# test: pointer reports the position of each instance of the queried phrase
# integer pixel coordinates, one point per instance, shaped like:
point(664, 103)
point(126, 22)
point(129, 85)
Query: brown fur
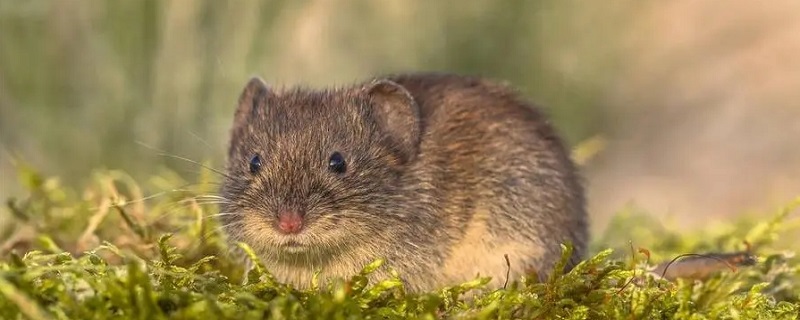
point(445, 175)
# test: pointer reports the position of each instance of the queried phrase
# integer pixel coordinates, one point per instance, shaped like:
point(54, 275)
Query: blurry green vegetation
point(108, 251)
point(81, 82)
point(125, 233)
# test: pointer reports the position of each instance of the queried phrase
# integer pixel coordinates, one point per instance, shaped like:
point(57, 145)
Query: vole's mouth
point(293, 246)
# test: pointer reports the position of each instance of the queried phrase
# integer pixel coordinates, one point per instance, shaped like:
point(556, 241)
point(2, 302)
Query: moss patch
point(111, 252)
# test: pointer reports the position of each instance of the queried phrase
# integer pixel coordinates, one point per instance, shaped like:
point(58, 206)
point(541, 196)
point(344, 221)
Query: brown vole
point(439, 174)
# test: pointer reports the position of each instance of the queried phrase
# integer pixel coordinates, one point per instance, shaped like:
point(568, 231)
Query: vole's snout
point(290, 220)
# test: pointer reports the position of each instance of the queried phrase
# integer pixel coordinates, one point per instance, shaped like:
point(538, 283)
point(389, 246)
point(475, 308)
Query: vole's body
point(445, 174)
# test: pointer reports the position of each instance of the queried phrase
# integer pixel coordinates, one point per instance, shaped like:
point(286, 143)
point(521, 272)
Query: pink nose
point(290, 221)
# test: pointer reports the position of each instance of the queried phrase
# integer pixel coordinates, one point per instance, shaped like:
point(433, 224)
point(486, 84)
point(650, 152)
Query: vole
point(439, 174)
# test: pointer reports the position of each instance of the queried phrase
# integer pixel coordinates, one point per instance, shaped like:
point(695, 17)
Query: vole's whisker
point(200, 200)
point(184, 204)
point(221, 229)
point(211, 196)
point(165, 154)
point(180, 189)
point(232, 224)
point(223, 214)
point(199, 164)
point(200, 139)
point(205, 202)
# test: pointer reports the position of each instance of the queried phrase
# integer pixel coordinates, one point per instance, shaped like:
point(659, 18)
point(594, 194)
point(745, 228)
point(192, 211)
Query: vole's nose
point(290, 221)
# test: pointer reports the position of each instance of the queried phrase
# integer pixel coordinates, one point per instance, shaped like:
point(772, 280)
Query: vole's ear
point(253, 98)
point(397, 113)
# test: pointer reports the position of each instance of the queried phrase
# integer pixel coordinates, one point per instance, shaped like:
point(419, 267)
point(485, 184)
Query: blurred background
point(698, 104)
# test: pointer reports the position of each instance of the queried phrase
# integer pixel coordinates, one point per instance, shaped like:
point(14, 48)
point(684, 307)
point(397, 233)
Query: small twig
point(730, 266)
point(94, 222)
point(137, 229)
point(508, 270)
point(25, 233)
point(16, 211)
point(633, 264)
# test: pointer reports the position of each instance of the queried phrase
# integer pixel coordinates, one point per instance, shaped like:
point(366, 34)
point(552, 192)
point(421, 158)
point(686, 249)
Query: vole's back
point(501, 175)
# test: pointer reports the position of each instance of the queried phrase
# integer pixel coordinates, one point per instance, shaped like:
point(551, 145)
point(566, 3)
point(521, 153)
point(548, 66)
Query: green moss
point(109, 251)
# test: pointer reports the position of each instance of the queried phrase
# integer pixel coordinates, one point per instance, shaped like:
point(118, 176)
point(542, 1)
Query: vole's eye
point(337, 164)
point(255, 164)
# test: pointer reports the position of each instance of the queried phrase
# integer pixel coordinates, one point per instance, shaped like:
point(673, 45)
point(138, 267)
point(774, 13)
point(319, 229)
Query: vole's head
point(312, 172)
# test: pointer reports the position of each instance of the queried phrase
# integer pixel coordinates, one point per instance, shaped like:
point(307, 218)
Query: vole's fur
point(445, 174)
